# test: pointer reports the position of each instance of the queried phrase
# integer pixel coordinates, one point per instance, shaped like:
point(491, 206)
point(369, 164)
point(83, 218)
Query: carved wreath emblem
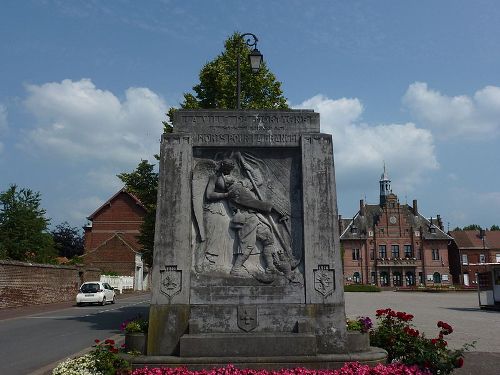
point(324, 280)
point(171, 281)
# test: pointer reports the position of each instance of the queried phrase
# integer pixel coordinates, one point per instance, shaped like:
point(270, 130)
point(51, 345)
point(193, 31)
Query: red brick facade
point(111, 240)
point(23, 284)
point(392, 245)
point(471, 252)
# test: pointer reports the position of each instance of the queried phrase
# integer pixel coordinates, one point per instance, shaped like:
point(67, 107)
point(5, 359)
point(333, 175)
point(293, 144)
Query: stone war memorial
point(247, 265)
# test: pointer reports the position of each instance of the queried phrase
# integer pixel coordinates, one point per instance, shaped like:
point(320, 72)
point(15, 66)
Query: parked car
point(95, 292)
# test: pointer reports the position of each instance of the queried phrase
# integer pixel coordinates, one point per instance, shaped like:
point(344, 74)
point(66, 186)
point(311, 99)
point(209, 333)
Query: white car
point(95, 292)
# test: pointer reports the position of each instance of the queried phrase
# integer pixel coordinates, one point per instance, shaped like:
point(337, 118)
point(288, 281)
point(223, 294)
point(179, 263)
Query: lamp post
point(255, 58)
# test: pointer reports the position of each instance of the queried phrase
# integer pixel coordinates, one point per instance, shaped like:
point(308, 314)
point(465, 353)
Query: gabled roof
point(108, 202)
point(372, 215)
point(470, 239)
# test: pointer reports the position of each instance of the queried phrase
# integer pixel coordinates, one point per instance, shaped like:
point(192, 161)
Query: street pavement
point(459, 309)
point(34, 339)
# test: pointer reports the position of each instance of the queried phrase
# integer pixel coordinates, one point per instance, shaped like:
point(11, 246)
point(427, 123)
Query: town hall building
point(390, 244)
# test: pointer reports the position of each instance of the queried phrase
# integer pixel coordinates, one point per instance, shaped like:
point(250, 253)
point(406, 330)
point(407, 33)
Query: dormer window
point(432, 229)
point(354, 229)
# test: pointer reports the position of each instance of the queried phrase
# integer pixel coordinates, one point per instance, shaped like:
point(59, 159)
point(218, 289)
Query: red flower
point(460, 362)
point(434, 341)
point(109, 342)
point(97, 341)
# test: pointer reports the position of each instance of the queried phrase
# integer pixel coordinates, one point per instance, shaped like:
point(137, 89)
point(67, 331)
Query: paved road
point(460, 309)
point(28, 343)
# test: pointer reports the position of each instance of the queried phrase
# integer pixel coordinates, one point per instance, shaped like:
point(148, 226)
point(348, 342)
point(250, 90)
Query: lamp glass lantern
point(255, 58)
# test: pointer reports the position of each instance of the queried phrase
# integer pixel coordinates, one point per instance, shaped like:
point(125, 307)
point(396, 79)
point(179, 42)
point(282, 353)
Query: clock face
point(392, 219)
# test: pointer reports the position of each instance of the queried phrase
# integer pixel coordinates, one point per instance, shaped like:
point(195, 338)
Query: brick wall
point(23, 284)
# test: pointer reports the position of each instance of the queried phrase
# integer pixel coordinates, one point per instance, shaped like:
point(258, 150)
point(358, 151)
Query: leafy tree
point(217, 86)
point(68, 240)
point(143, 183)
point(494, 227)
point(23, 227)
point(457, 229)
point(472, 227)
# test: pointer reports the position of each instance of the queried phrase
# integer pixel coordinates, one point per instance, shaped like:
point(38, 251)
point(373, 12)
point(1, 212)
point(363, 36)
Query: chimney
point(361, 207)
point(415, 207)
point(440, 222)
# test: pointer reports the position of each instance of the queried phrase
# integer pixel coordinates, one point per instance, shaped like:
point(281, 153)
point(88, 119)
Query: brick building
point(473, 251)
point(392, 245)
point(111, 238)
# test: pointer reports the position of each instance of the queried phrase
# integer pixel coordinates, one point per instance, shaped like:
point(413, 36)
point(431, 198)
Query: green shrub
point(405, 344)
point(361, 288)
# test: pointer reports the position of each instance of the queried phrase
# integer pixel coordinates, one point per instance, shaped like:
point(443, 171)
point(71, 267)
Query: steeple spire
point(385, 187)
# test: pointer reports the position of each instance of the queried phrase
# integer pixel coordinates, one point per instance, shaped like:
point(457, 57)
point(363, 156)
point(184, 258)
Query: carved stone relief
point(244, 215)
point(170, 281)
point(324, 280)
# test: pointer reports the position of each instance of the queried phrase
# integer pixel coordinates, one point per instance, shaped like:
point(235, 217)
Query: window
point(397, 279)
point(381, 230)
point(355, 254)
point(374, 278)
point(370, 233)
point(382, 251)
point(410, 278)
point(372, 254)
point(464, 259)
point(435, 254)
point(417, 233)
point(395, 251)
point(498, 258)
point(408, 251)
point(482, 258)
point(384, 279)
point(421, 277)
point(356, 277)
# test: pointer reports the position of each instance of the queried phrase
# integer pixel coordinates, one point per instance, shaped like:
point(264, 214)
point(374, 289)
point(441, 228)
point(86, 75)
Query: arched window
point(410, 278)
point(356, 278)
point(397, 279)
point(384, 278)
point(437, 278)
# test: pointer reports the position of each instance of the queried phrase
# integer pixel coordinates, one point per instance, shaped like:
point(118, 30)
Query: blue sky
point(84, 86)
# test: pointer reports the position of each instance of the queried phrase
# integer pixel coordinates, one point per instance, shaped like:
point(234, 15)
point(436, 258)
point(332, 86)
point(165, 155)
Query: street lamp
point(255, 58)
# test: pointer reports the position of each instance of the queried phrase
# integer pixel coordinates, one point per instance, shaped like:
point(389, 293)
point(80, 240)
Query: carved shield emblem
point(324, 280)
point(247, 318)
point(171, 281)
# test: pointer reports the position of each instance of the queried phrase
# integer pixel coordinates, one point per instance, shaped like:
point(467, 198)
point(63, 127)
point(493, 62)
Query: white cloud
point(3, 124)
point(456, 116)
point(76, 120)
point(360, 148)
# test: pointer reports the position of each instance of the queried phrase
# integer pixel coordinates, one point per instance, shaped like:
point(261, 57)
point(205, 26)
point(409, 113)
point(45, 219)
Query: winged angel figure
point(236, 215)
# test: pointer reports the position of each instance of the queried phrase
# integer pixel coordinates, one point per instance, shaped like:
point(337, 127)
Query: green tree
point(143, 183)
point(217, 86)
point(68, 240)
point(494, 227)
point(472, 227)
point(456, 229)
point(23, 227)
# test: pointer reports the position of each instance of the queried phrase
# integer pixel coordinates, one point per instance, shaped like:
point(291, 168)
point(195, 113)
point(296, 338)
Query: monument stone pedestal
point(247, 266)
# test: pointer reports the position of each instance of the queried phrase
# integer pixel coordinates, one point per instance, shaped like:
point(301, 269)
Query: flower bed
point(351, 368)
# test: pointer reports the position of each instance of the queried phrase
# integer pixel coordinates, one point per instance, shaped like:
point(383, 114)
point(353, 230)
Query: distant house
point(392, 245)
point(471, 252)
point(111, 238)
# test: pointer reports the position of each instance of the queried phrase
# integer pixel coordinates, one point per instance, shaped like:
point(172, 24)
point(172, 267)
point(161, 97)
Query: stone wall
point(23, 284)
